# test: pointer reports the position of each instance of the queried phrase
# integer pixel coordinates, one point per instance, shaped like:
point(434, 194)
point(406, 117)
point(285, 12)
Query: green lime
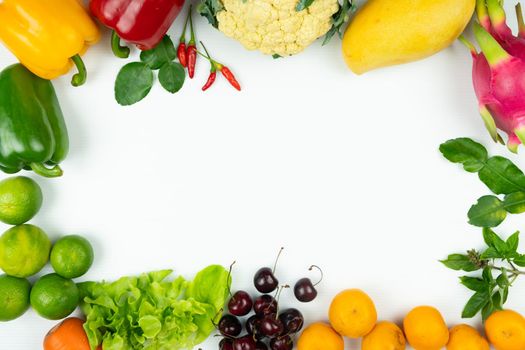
point(54, 297)
point(14, 297)
point(71, 256)
point(20, 200)
point(24, 250)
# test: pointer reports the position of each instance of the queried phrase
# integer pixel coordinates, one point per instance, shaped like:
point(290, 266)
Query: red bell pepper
point(140, 22)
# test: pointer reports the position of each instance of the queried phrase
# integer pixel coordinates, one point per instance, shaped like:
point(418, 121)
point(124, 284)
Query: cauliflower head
point(275, 27)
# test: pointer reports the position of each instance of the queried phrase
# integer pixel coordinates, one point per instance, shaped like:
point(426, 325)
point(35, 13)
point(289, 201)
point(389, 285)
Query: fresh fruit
point(226, 344)
point(320, 336)
point(352, 313)
point(240, 303)
point(284, 342)
point(230, 326)
point(425, 328)
point(54, 297)
point(24, 250)
point(465, 337)
point(265, 304)
point(304, 290)
point(244, 343)
point(506, 330)
point(252, 326)
point(265, 280)
point(271, 326)
point(67, 335)
point(14, 297)
point(20, 200)
point(385, 33)
point(71, 256)
point(292, 320)
point(259, 345)
point(384, 336)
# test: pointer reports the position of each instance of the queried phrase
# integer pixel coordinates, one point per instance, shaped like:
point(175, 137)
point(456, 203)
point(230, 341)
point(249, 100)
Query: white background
point(342, 170)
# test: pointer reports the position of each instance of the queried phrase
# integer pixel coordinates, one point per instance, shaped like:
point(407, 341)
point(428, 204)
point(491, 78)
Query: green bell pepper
point(33, 134)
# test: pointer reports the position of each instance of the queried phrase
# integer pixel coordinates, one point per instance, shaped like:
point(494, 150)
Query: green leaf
point(303, 4)
point(515, 202)
point(496, 301)
point(475, 304)
point(493, 240)
point(209, 9)
point(501, 176)
point(465, 151)
point(488, 309)
point(504, 295)
point(513, 242)
point(491, 253)
point(171, 76)
point(487, 276)
point(473, 283)
point(134, 82)
point(164, 52)
point(459, 262)
point(503, 280)
point(489, 211)
point(339, 20)
point(520, 260)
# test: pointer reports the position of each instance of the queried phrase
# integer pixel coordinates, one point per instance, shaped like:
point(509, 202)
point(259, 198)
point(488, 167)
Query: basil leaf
point(164, 52)
point(488, 309)
point(515, 202)
point(459, 262)
point(501, 176)
point(493, 240)
point(489, 211)
point(465, 151)
point(171, 76)
point(303, 4)
point(496, 301)
point(134, 82)
point(513, 242)
point(475, 284)
point(503, 279)
point(490, 253)
point(475, 304)
point(520, 260)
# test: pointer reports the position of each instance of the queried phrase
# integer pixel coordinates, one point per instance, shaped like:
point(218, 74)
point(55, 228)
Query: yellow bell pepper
point(48, 36)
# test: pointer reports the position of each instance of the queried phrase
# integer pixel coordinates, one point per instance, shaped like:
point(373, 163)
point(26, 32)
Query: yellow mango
point(389, 32)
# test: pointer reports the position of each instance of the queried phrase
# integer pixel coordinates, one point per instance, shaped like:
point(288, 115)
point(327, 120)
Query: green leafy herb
point(151, 312)
point(134, 82)
point(499, 174)
point(500, 257)
point(339, 20)
point(209, 9)
point(303, 4)
point(164, 52)
point(171, 76)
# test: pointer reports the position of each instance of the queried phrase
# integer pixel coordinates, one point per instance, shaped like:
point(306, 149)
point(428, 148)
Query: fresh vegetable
point(425, 328)
point(320, 336)
point(506, 330)
point(464, 337)
point(352, 313)
point(34, 135)
point(498, 72)
point(499, 256)
point(382, 34)
point(191, 51)
point(24, 250)
point(54, 297)
point(181, 49)
point(278, 28)
point(14, 297)
point(49, 37)
point(71, 256)
point(151, 312)
point(67, 335)
point(20, 200)
point(140, 22)
point(499, 174)
point(385, 335)
point(216, 66)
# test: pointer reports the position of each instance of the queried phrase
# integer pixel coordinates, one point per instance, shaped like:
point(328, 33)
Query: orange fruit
point(352, 313)
point(384, 336)
point(506, 330)
point(465, 337)
point(425, 328)
point(320, 336)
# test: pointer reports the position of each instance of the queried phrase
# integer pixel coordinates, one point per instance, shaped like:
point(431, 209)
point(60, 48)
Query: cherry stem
point(228, 279)
point(278, 296)
point(320, 270)
point(219, 312)
point(277, 259)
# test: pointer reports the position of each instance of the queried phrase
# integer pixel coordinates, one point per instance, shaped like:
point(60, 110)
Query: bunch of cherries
point(267, 326)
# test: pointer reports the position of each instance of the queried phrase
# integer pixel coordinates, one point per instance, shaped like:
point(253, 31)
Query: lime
point(24, 250)
point(71, 256)
point(14, 297)
point(20, 200)
point(54, 297)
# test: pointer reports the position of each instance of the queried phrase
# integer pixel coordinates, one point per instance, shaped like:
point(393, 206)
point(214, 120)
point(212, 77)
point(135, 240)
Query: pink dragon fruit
point(499, 72)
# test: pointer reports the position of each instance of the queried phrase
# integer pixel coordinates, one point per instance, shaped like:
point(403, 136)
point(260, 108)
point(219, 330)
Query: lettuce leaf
point(151, 312)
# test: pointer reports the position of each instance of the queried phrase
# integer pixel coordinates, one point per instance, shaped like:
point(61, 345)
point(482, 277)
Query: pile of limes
point(25, 249)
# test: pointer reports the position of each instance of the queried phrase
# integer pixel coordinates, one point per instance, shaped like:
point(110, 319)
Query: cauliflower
point(276, 27)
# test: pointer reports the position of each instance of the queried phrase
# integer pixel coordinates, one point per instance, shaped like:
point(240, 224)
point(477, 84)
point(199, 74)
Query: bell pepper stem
point(80, 77)
point(118, 50)
point(42, 170)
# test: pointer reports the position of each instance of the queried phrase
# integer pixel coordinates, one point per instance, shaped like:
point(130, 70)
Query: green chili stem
point(183, 35)
point(192, 39)
point(118, 50)
point(42, 170)
point(80, 77)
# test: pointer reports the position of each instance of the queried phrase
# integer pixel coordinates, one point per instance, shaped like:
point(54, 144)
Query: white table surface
point(342, 170)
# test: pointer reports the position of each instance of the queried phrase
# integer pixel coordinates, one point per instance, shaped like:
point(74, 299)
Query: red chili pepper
point(227, 73)
point(181, 50)
point(191, 52)
point(210, 81)
point(216, 66)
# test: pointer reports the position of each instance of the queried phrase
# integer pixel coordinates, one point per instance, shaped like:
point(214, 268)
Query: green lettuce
point(152, 312)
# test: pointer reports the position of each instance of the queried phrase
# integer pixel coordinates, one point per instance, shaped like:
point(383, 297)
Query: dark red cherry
point(284, 342)
point(292, 320)
point(226, 344)
point(244, 343)
point(252, 326)
point(259, 345)
point(230, 326)
point(265, 304)
point(240, 303)
point(265, 281)
point(271, 326)
point(304, 289)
